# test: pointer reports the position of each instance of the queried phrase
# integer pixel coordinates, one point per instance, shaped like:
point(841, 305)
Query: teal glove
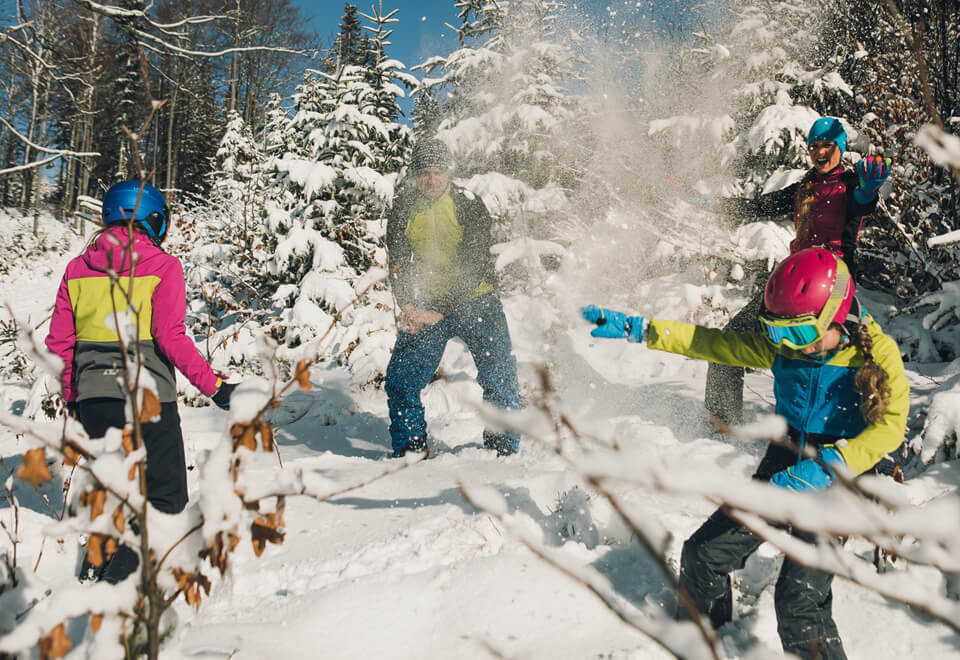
point(612, 324)
point(873, 171)
point(808, 475)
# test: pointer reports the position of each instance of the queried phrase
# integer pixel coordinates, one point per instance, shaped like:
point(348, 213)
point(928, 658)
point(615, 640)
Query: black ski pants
point(802, 596)
point(166, 469)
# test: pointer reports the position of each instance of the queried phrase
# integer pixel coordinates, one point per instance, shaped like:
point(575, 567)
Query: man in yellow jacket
point(438, 241)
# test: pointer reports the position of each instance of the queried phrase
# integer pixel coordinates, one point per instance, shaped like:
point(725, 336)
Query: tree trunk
point(170, 169)
point(43, 127)
point(70, 171)
point(31, 130)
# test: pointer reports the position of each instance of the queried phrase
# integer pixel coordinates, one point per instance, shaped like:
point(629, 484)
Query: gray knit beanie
point(430, 154)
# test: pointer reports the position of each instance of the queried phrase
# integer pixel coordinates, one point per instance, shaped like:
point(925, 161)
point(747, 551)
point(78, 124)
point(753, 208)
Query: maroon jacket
point(825, 211)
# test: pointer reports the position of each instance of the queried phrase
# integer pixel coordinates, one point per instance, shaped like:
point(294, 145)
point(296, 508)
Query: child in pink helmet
point(840, 385)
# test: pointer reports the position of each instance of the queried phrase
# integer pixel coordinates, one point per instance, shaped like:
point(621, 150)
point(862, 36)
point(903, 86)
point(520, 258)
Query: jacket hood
point(111, 250)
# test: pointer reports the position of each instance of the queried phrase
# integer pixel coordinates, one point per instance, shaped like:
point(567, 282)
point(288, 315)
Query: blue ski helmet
point(829, 129)
point(151, 212)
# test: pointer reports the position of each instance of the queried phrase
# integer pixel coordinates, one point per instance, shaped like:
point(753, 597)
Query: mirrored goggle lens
point(796, 336)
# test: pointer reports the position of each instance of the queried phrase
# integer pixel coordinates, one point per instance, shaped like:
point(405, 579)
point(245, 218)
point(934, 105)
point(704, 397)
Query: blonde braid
point(871, 382)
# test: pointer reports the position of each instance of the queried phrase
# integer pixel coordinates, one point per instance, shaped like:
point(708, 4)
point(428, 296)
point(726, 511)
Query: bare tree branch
point(57, 152)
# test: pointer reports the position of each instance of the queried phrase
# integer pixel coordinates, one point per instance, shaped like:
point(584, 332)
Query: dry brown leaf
point(118, 520)
point(244, 435)
point(95, 550)
point(97, 499)
point(72, 453)
point(191, 584)
point(150, 407)
point(127, 441)
point(110, 547)
point(218, 551)
point(34, 468)
point(263, 530)
point(302, 374)
point(95, 622)
point(56, 644)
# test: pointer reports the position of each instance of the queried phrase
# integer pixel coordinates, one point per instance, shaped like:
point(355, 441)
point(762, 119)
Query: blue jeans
point(481, 325)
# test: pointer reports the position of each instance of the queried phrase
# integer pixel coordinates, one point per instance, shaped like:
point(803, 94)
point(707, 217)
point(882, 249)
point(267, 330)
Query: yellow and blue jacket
point(817, 399)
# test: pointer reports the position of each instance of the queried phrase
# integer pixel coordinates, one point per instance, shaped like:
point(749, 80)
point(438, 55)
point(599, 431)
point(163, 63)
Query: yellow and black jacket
point(439, 248)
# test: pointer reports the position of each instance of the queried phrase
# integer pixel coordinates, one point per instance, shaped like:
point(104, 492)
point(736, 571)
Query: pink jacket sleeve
point(62, 338)
point(170, 333)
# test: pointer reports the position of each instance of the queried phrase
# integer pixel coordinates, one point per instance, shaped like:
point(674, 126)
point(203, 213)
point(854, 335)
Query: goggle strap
point(837, 294)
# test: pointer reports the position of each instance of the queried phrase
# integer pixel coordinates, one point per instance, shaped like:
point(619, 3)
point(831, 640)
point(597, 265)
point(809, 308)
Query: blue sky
point(419, 34)
point(422, 31)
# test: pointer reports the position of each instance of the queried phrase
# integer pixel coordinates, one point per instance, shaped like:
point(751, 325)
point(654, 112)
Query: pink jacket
point(83, 326)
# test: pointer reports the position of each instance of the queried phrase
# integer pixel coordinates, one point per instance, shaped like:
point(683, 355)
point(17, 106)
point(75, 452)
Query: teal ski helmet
point(829, 129)
point(152, 213)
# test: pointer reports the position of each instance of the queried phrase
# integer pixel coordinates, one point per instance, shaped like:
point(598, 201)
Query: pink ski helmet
point(811, 282)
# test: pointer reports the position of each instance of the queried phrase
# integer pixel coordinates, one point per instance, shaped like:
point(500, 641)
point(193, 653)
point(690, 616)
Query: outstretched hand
point(612, 324)
point(873, 172)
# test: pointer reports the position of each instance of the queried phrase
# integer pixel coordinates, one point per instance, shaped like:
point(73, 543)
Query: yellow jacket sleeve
point(737, 349)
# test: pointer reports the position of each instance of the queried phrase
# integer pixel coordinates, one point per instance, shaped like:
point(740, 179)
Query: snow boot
point(416, 444)
point(500, 443)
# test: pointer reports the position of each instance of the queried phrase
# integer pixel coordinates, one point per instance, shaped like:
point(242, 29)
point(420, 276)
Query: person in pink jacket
point(91, 302)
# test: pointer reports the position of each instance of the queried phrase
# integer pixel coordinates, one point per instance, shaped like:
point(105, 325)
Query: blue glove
point(708, 203)
point(873, 171)
point(807, 474)
point(612, 324)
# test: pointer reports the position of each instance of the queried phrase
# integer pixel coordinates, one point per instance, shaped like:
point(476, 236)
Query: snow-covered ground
point(405, 568)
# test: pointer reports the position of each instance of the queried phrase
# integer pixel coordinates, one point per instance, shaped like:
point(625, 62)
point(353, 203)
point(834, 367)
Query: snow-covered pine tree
point(426, 113)
point(222, 237)
point(389, 83)
point(331, 182)
point(764, 78)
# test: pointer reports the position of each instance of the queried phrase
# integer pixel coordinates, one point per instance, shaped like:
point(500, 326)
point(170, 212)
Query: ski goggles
point(798, 332)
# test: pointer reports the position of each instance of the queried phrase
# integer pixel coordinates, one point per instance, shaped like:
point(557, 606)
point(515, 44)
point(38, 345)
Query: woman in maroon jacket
point(828, 205)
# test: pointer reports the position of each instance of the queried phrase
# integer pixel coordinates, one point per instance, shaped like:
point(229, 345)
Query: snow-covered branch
point(163, 45)
point(34, 145)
